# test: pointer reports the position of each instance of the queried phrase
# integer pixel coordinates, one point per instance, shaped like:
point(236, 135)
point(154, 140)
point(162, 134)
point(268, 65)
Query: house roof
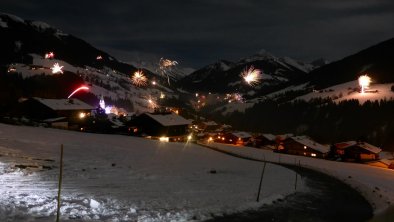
point(311, 144)
point(210, 123)
point(168, 119)
point(64, 104)
point(363, 145)
point(268, 136)
point(369, 147)
point(241, 134)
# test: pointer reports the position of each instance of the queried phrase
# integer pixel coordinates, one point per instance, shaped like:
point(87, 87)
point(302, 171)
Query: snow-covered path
point(374, 183)
point(120, 178)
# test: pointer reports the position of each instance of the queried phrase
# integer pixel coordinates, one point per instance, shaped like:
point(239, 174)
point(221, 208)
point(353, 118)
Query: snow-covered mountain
point(153, 65)
point(24, 44)
point(225, 76)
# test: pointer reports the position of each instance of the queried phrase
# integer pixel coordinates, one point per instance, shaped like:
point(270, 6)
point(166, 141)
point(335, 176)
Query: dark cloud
point(200, 32)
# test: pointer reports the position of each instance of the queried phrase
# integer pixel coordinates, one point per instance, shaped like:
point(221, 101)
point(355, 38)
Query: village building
point(303, 146)
point(55, 112)
point(208, 126)
point(236, 138)
point(263, 140)
point(356, 151)
point(167, 125)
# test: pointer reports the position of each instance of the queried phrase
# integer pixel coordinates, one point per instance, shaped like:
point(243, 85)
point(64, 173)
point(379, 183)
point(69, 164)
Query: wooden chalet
point(208, 126)
point(263, 140)
point(357, 151)
point(303, 146)
point(163, 124)
point(55, 111)
point(236, 138)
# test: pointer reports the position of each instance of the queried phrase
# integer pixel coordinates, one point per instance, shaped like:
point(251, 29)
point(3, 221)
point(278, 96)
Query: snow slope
point(374, 183)
point(349, 90)
point(121, 178)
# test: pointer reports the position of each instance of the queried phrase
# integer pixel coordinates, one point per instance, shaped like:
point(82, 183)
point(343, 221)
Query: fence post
point(60, 183)
point(261, 180)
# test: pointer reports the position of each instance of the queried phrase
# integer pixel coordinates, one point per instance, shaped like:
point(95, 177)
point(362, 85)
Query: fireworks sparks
point(251, 75)
point(364, 82)
point(165, 66)
point(49, 55)
point(139, 79)
point(75, 91)
point(151, 102)
point(234, 97)
point(56, 68)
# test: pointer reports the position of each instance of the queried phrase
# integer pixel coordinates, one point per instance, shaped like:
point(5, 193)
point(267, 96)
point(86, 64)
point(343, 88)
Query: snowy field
point(120, 178)
point(374, 183)
point(346, 91)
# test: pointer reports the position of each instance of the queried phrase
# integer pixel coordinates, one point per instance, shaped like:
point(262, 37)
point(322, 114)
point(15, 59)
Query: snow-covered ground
point(374, 183)
point(349, 90)
point(121, 178)
point(120, 83)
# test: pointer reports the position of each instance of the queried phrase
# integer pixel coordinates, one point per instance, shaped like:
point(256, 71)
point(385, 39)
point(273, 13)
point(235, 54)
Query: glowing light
point(49, 55)
point(251, 75)
point(364, 82)
point(56, 68)
point(154, 83)
point(234, 97)
point(162, 95)
point(210, 139)
point(99, 57)
point(313, 154)
point(139, 79)
point(164, 139)
point(189, 137)
point(75, 91)
point(165, 66)
point(151, 102)
point(102, 102)
point(82, 115)
point(108, 109)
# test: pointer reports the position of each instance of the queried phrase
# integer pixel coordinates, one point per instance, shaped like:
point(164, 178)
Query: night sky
point(196, 33)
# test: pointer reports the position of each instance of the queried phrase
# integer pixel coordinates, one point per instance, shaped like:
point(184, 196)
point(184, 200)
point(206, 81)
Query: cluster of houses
point(168, 126)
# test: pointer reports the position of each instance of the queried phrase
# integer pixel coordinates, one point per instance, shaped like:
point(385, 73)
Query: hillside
point(25, 71)
point(224, 76)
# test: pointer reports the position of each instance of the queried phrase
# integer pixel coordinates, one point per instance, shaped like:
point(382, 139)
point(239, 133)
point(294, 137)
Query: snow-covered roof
point(241, 134)
point(364, 145)
point(210, 123)
point(51, 120)
point(269, 136)
point(168, 119)
point(369, 147)
point(344, 145)
point(64, 104)
point(311, 144)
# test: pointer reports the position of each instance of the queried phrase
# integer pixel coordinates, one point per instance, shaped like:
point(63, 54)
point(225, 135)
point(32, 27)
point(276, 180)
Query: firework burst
point(251, 75)
point(56, 68)
point(234, 97)
point(166, 66)
point(139, 79)
point(49, 55)
point(152, 103)
point(364, 82)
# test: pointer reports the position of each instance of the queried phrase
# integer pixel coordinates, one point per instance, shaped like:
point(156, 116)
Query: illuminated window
point(164, 139)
